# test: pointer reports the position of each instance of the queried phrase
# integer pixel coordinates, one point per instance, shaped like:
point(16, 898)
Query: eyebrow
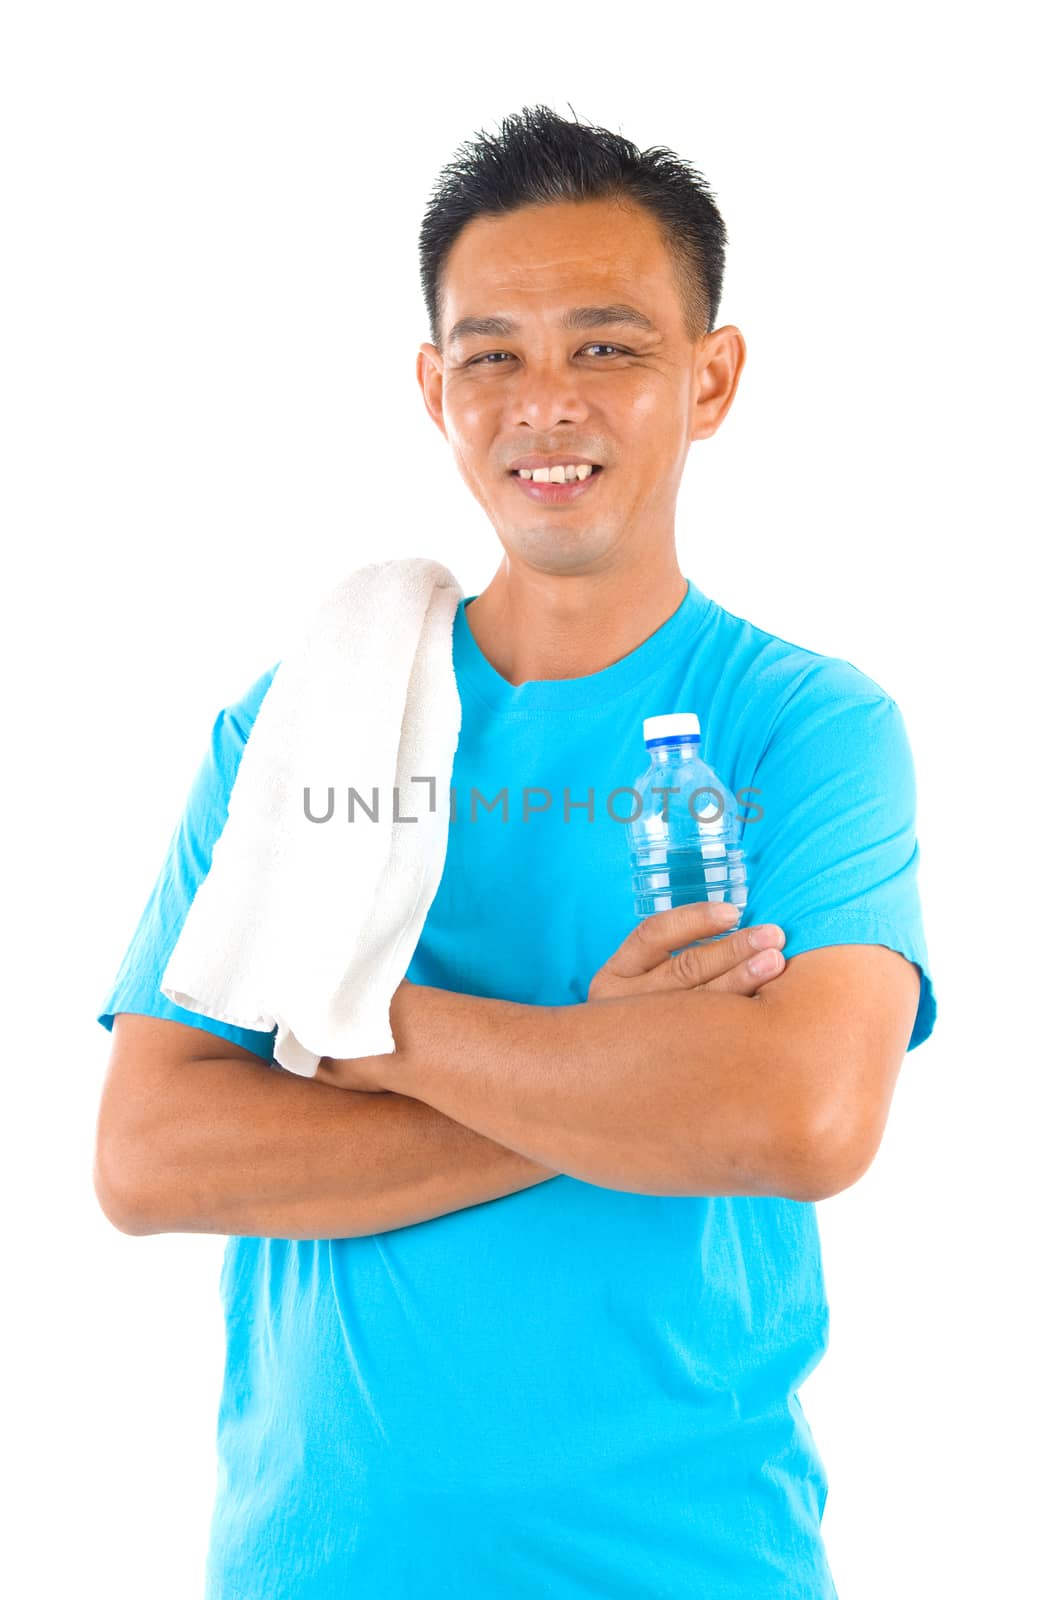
point(579, 317)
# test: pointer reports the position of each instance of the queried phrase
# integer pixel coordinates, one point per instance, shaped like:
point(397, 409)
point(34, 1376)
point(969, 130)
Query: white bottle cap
point(674, 722)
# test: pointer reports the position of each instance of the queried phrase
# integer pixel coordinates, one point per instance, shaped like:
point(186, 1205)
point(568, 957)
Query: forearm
point(249, 1150)
point(684, 1092)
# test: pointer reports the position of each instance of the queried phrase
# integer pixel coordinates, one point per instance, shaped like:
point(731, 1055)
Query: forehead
point(546, 256)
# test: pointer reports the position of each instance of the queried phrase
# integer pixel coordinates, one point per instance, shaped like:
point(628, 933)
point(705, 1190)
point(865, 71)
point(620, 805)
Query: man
point(522, 1309)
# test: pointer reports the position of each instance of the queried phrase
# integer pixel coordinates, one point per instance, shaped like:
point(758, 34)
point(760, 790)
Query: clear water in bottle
point(685, 843)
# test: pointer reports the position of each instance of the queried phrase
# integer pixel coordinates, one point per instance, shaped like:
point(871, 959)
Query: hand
point(643, 964)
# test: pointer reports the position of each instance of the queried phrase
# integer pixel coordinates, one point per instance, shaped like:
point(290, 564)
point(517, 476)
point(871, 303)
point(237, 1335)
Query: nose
point(545, 397)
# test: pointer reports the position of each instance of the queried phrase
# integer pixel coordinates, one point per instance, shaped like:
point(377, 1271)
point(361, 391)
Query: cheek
point(656, 423)
point(654, 402)
point(470, 430)
point(468, 416)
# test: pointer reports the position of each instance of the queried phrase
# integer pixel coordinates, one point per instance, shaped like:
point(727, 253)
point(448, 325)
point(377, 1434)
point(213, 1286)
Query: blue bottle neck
point(673, 751)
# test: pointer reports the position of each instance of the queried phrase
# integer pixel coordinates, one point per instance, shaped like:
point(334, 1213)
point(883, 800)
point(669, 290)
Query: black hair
point(538, 157)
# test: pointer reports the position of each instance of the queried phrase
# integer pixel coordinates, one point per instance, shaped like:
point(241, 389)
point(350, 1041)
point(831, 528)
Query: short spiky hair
point(538, 157)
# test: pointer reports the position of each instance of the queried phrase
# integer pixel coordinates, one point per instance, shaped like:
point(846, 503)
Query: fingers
point(652, 940)
point(740, 964)
point(748, 976)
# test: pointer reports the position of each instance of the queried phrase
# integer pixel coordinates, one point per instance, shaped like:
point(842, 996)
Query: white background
point(209, 330)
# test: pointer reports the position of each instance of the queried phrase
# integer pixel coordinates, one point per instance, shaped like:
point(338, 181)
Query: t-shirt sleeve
point(834, 857)
point(187, 861)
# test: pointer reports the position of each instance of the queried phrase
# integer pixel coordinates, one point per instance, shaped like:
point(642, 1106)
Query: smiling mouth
point(545, 492)
point(526, 476)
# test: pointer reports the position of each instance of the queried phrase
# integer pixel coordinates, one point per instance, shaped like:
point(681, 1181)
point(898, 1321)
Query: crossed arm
point(657, 1084)
point(673, 1092)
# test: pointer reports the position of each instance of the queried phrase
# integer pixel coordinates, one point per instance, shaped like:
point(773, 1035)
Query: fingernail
point(768, 961)
point(728, 913)
point(763, 938)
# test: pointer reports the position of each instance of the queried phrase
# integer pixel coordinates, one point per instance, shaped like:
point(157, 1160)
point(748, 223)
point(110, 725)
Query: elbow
point(826, 1153)
point(122, 1210)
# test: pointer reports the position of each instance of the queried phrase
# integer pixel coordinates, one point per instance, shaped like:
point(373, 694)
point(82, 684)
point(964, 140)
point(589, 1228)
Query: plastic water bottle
point(685, 841)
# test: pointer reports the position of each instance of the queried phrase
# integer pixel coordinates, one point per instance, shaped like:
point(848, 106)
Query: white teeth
point(557, 474)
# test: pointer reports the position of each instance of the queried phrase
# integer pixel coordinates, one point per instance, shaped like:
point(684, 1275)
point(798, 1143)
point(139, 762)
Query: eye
point(491, 357)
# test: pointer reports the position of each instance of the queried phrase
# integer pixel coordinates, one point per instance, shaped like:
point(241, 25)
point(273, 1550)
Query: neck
point(533, 625)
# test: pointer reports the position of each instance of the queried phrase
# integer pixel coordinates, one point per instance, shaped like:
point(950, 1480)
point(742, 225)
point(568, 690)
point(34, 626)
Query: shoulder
point(220, 763)
point(784, 678)
point(241, 715)
point(233, 723)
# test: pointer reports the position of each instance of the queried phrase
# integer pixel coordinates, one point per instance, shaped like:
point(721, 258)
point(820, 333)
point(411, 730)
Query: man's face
point(628, 396)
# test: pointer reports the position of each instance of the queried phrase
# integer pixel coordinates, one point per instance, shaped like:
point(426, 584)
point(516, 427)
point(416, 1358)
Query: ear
point(719, 360)
point(429, 369)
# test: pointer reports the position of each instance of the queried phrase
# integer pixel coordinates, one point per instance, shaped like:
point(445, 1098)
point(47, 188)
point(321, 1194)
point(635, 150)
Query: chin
point(556, 549)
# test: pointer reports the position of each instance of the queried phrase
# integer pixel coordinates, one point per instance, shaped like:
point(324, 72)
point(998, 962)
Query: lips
point(556, 494)
point(594, 470)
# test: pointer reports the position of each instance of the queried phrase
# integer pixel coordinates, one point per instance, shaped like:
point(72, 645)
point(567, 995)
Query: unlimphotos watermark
point(709, 809)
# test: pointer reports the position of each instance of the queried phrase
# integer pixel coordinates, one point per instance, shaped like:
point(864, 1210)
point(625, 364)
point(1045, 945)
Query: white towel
point(308, 927)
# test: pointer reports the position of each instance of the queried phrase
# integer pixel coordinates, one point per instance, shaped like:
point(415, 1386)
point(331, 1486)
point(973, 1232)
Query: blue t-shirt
point(570, 1391)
